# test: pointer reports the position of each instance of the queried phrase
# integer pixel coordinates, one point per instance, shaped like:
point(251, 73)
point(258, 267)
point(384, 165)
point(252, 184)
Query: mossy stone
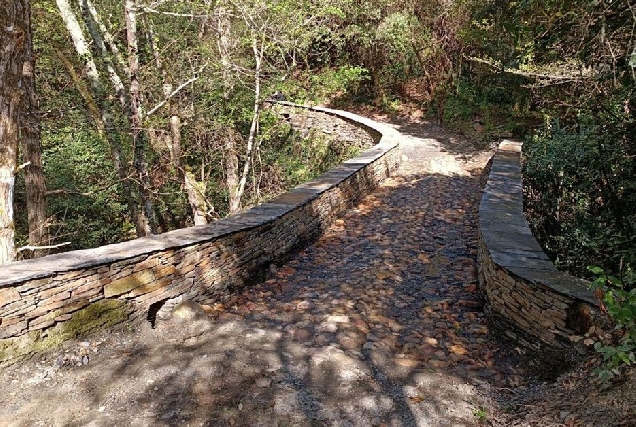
point(128, 283)
point(99, 315)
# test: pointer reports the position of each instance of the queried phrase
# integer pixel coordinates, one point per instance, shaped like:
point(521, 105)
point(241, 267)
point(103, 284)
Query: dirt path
point(377, 324)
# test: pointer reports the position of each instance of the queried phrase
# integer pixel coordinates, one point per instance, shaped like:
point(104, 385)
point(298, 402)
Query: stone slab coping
point(387, 139)
point(506, 232)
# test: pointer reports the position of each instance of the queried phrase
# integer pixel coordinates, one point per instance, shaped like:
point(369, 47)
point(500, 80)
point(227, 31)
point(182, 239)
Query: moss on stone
point(99, 315)
point(128, 283)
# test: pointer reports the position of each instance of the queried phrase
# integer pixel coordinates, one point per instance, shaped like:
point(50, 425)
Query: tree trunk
point(104, 44)
point(102, 116)
point(252, 141)
point(195, 190)
point(226, 45)
point(232, 173)
point(136, 118)
point(32, 155)
point(13, 42)
point(103, 38)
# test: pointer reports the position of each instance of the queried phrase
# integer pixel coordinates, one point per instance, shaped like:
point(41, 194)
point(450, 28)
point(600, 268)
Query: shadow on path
point(378, 323)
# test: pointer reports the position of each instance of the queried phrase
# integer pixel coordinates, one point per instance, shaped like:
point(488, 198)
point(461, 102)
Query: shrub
point(619, 300)
point(579, 195)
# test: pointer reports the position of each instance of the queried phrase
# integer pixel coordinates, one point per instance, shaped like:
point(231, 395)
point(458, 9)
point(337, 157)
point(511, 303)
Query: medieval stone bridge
point(355, 299)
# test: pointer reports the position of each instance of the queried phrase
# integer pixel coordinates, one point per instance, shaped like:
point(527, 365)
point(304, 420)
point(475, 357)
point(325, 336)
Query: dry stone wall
point(527, 299)
point(337, 131)
point(46, 301)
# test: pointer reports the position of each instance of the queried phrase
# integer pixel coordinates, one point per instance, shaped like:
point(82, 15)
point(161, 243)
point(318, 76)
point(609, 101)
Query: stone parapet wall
point(334, 129)
point(46, 301)
point(527, 299)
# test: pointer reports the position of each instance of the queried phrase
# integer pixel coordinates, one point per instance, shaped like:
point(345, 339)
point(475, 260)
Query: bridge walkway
point(378, 323)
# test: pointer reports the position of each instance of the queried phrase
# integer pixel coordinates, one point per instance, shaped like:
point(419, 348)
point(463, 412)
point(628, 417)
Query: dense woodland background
point(137, 117)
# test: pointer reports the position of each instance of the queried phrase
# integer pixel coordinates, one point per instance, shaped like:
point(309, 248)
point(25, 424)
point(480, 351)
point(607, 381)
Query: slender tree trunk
point(194, 189)
point(101, 114)
point(102, 37)
point(13, 53)
point(136, 116)
point(252, 141)
point(231, 159)
point(31, 145)
point(104, 44)
point(232, 173)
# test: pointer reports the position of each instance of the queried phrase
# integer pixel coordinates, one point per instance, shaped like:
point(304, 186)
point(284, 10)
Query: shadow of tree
point(377, 323)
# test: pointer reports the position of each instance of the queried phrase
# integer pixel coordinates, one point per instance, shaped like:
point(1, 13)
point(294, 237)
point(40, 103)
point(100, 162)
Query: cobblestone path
point(379, 323)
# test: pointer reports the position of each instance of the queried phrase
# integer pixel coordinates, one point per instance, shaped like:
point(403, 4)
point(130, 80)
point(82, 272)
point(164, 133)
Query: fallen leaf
point(383, 274)
point(457, 349)
point(424, 258)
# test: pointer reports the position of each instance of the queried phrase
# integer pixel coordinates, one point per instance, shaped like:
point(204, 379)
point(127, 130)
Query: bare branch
point(41, 248)
point(22, 166)
point(149, 9)
point(498, 67)
point(177, 90)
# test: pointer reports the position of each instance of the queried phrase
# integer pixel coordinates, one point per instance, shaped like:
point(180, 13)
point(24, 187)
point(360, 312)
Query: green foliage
point(619, 298)
point(399, 38)
point(487, 106)
point(579, 194)
point(295, 159)
point(87, 212)
point(481, 414)
point(338, 81)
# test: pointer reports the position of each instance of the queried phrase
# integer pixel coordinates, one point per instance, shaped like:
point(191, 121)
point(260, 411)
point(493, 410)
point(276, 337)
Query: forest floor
point(379, 323)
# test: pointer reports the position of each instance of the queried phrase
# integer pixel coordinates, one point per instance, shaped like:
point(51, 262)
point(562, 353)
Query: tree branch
point(22, 166)
point(149, 9)
point(41, 248)
point(528, 74)
point(177, 90)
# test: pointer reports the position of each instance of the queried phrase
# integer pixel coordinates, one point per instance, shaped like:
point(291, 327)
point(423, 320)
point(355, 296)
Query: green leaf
point(595, 269)
point(623, 356)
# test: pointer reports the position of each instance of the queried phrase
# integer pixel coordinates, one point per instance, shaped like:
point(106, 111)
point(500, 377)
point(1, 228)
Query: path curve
point(378, 323)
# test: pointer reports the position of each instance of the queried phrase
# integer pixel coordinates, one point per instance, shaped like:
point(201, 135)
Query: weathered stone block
point(8, 295)
point(33, 286)
point(87, 293)
point(150, 287)
point(44, 306)
point(127, 284)
point(147, 264)
point(162, 271)
point(12, 329)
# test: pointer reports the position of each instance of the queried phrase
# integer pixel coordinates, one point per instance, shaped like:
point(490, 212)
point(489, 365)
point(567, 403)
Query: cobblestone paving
point(378, 323)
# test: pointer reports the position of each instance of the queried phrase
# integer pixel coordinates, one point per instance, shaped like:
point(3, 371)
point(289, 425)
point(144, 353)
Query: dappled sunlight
point(379, 322)
point(448, 167)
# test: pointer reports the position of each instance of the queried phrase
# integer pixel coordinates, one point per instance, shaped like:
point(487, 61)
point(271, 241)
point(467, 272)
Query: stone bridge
point(47, 301)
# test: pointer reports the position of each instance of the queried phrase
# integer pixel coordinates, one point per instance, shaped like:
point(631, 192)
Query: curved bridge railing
point(527, 299)
point(46, 301)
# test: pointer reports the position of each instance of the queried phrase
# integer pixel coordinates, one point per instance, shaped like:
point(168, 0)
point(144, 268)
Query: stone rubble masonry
point(527, 299)
point(55, 298)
